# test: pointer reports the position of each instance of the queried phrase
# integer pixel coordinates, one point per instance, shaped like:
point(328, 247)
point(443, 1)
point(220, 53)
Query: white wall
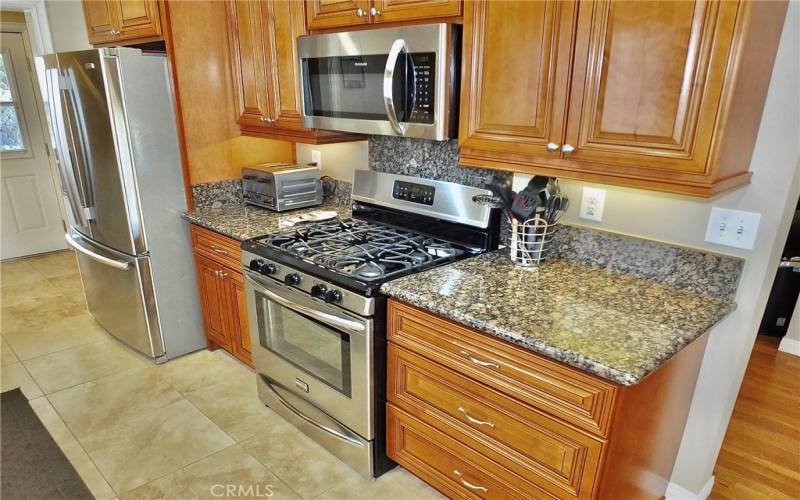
point(791, 341)
point(67, 26)
point(338, 160)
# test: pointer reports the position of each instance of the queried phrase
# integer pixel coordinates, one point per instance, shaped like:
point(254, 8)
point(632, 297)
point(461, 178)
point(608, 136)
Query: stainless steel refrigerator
point(112, 117)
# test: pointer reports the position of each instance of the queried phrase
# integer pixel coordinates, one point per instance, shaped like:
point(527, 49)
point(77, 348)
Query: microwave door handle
point(323, 317)
point(398, 46)
point(64, 157)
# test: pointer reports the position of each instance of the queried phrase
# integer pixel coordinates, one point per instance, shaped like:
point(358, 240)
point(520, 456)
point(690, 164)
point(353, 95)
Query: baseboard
point(675, 492)
point(791, 346)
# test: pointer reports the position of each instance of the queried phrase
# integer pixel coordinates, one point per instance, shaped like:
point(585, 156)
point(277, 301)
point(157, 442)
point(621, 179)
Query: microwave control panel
point(415, 193)
point(424, 64)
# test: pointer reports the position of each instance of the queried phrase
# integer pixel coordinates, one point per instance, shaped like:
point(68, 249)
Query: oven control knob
point(333, 296)
point(292, 279)
point(268, 268)
point(257, 264)
point(318, 290)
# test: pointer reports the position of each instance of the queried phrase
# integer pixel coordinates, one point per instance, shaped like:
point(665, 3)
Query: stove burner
point(362, 250)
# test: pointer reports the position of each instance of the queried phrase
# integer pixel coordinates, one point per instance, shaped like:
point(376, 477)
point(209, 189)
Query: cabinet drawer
point(217, 247)
point(568, 394)
point(452, 468)
point(550, 454)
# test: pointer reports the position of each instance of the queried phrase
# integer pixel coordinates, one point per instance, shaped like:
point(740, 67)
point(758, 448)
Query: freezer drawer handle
point(96, 256)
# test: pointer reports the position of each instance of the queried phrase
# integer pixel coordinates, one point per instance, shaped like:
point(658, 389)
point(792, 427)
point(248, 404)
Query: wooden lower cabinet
point(498, 421)
point(221, 287)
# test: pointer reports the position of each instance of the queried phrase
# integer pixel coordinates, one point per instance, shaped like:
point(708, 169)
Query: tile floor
point(190, 428)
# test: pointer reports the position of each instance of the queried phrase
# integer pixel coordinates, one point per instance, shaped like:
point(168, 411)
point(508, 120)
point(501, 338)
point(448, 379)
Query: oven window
point(352, 87)
point(311, 346)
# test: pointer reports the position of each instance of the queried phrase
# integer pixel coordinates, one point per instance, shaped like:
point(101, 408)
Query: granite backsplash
point(229, 192)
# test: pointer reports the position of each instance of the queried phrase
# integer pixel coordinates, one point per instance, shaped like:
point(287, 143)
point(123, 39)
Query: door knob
point(265, 119)
point(552, 147)
point(567, 149)
point(374, 12)
point(360, 12)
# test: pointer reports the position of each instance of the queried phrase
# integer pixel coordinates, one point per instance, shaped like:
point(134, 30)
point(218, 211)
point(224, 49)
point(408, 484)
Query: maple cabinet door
point(336, 13)
point(100, 21)
point(236, 310)
point(212, 300)
point(283, 25)
point(516, 60)
point(138, 18)
point(249, 57)
point(410, 10)
point(647, 83)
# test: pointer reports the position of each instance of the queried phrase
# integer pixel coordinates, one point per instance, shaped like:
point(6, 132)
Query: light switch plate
point(733, 228)
point(316, 157)
point(592, 203)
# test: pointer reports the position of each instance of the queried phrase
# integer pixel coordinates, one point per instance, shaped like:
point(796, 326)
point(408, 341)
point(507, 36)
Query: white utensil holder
point(530, 241)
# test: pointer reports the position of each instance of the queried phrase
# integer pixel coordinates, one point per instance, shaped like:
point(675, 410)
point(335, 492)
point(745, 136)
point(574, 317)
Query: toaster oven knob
point(267, 268)
point(257, 264)
point(318, 290)
point(333, 296)
point(292, 279)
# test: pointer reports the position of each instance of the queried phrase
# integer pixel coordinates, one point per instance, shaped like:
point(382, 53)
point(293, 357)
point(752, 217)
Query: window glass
point(10, 128)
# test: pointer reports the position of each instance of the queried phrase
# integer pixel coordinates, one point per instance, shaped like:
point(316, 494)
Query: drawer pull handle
point(475, 420)
point(478, 362)
point(216, 249)
point(469, 485)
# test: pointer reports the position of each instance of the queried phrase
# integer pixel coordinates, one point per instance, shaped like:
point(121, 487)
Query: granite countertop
point(241, 222)
point(615, 325)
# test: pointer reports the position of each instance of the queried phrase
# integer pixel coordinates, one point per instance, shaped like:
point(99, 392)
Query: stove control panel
point(413, 192)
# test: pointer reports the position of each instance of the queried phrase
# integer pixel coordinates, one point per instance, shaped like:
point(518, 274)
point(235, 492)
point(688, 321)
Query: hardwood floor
point(760, 457)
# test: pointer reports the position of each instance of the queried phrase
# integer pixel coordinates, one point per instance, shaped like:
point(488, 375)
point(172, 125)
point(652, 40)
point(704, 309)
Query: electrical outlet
point(592, 203)
point(733, 228)
point(316, 157)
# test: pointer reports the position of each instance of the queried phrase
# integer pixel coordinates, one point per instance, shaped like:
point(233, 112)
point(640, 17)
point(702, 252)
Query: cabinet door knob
point(567, 149)
point(360, 12)
point(374, 12)
point(222, 273)
point(265, 119)
point(553, 147)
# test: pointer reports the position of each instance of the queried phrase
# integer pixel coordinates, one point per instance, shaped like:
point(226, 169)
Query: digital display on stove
point(416, 193)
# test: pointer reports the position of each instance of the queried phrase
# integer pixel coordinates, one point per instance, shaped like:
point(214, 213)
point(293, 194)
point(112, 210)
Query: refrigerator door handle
point(76, 125)
point(96, 256)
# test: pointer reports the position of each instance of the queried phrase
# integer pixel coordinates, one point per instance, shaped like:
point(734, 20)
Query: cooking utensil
point(528, 200)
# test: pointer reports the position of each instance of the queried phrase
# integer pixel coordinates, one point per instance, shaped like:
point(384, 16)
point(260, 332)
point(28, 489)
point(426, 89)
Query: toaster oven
point(281, 186)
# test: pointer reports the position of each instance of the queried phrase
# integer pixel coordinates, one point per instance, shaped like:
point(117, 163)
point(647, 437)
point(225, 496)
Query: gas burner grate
point(362, 250)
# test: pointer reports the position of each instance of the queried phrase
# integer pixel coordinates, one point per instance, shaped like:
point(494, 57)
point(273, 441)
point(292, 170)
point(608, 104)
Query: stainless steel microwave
point(391, 81)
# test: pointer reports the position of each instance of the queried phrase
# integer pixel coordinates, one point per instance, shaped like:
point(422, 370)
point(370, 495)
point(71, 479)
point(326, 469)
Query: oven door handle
point(306, 418)
point(330, 319)
point(398, 46)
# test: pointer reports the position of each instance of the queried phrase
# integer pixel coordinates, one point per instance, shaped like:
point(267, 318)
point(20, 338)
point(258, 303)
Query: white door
point(29, 213)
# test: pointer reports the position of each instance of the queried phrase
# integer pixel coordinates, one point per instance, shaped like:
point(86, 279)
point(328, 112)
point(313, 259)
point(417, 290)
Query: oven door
point(315, 357)
point(392, 81)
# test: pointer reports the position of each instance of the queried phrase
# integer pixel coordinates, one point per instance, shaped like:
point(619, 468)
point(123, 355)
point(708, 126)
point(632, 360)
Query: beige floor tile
point(32, 315)
point(155, 444)
point(19, 272)
point(231, 472)
point(204, 370)
point(51, 420)
point(298, 461)
point(7, 356)
point(69, 284)
point(235, 408)
point(87, 470)
point(13, 376)
point(111, 401)
point(14, 294)
point(56, 264)
point(71, 331)
point(76, 365)
point(397, 484)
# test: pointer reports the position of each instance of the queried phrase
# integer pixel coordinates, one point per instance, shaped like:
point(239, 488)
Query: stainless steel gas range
point(317, 319)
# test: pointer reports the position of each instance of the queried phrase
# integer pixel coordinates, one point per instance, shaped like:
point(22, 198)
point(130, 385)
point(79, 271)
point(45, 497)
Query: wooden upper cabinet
point(138, 18)
point(516, 66)
point(324, 14)
point(659, 95)
point(101, 21)
point(336, 13)
point(263, 46)
point(117, 22)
